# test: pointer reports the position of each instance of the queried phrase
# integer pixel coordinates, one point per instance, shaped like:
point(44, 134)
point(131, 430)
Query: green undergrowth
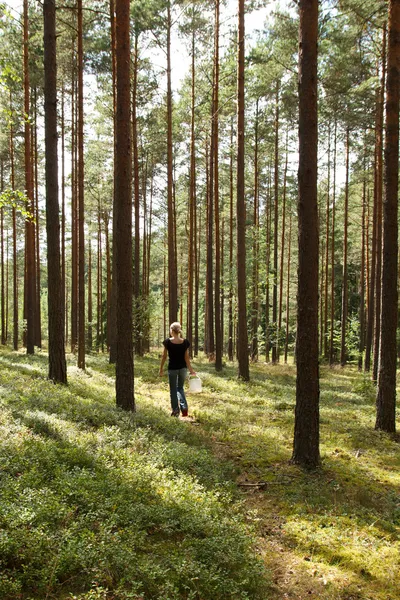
point(97, 503)
point(100, 504)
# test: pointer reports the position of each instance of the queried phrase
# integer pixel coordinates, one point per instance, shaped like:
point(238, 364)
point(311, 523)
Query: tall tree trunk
point(30, 225)
point(362, 276)
point(288, 288)
point(268, 219)
point(138, 327)
point(192, 198)
point(276, 218)
point(254, 302)
point(172, 259)
point(217, 296)
point(81, 207)
point(14, 234)
point(38, 317)
point(331, 341)
point(57, 363)
point(243, 355)
point(283, 235)
point(89, 296)
point(108, 268)
point(123, 243)
point(343, 350)
point(386, 394)
point(379, 184)
point(230, 301)
point(63, 219)
point(326, 270)
point(306, 430)
point(112, 325)
point(74, 212)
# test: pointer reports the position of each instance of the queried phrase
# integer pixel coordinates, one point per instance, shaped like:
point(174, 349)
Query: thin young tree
point(123, 189)
point(242, 350)
point(57, 363)
point(306, 429)
point(172, 258)
point(81, 195)
point(217, 298)
point(386, 395)
point(30, 276)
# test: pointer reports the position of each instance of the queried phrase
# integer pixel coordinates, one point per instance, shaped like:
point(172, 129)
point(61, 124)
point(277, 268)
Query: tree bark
point(57, 363)
point(306, 430)
point(30, 224)
point(123, 243)
point(172, 259)
point(243, 355)
point(81, 207)
point(386, 395)
point(379, 192)
point(343, 349)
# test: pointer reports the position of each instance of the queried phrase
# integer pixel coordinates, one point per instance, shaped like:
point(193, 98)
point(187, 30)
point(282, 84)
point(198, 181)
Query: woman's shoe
point(185, 412)
point(175, 413)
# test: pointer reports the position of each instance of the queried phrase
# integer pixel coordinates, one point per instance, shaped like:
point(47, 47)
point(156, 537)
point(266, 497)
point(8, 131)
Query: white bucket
point(194, 384)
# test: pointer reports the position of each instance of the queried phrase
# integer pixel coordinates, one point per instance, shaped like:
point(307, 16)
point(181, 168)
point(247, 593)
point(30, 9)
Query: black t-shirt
point(176, 354)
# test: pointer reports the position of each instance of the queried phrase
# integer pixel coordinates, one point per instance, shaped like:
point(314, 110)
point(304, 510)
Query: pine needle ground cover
point(99, 504)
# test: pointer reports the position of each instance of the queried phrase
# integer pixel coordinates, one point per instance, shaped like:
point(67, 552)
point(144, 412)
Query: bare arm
point(163, 359)
point(187, 360)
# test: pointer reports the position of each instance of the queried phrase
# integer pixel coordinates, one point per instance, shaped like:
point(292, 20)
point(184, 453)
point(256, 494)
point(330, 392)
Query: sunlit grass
point(146, 483)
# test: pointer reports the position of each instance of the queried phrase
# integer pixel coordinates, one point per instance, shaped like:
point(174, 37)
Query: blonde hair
point(176, 327)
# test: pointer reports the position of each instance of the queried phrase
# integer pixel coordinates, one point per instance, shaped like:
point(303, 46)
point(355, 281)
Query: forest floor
point(98, 504)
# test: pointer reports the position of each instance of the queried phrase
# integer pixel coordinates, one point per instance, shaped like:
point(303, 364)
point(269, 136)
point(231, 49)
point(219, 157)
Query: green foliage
point(101, 504)
point(18, 200)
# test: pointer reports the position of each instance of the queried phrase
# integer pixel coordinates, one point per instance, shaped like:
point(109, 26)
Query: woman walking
point(177, 350)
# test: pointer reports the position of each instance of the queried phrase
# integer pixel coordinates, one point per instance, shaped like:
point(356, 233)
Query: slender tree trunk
point(343, 349)
point(379, 183)
point(276, 224)
point(306, 431)
point(138, 327)
point(283, 235)
point(218, 330)
point(288, 288)
point(327, 219)
point(192, 200)
point(81, 207)
point(243, 355)
point(123, 243)
point(268, 219)
point(386, 394)
point(30, 225)
point(57, 363)
point(230, 301)
point(172, 259)
point(74, 215)
point(14, 235)
point(108, 269)
point(63, 219)
point(362, 275)
point(38, 317)
point(90, 296)
point(331, 341)
point(112, 325)
point(255, 303)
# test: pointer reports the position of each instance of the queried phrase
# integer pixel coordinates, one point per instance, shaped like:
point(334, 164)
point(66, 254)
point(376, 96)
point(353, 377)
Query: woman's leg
point(181, 392)
point(173, 380)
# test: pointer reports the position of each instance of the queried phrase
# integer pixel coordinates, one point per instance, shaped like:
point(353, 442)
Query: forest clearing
point(101, 504)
